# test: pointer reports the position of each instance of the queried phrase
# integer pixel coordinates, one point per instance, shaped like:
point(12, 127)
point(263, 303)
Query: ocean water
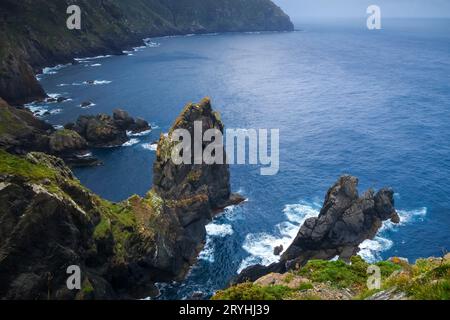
point(374, 104)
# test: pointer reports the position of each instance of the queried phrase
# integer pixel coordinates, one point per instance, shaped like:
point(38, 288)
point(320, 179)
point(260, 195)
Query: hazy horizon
point(298, 9)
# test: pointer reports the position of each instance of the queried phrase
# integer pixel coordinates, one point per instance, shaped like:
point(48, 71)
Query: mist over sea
point(374, 104)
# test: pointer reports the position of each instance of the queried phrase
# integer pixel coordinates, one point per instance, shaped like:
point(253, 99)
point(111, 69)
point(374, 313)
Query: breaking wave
point(260, 246)
point(131, 143)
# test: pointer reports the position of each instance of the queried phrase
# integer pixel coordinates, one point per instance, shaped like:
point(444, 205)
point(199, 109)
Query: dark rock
point(100, 131)
point(66, 141)
point(105, 131)
point(171, 181)
point(123, 119)
point(345, 221)
point(86, 104)
point(140, 125)
point(196, 192)
point(278, 250)
point(21, 131)
point(61, 99)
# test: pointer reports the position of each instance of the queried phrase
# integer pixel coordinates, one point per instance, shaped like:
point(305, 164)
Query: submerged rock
point(345, 221)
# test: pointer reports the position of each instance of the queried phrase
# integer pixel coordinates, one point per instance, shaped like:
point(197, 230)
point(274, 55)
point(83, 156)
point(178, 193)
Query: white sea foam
point(261, 246)
point(85, 155)
point(87, 59)
point(88, 106)
point(219, 230)
point(207, 254)
point(55, 69)
point(97, 82)
point(55, 111)
point(138, 134)
point(371, 249)
point(299, 212)
point(150, 146)
point(131, 142)
point(54, 95)
point(94, 65)
point(37, 110)
point(58, 127)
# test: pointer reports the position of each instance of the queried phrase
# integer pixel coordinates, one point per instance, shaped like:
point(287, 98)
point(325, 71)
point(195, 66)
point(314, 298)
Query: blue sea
point(374, 104)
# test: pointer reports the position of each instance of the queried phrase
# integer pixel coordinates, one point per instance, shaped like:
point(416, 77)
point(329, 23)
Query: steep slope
point(33, 34)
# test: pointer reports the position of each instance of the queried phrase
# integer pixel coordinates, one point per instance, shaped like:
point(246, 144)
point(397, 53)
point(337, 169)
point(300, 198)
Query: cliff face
point(33, 34)
point(49, 221)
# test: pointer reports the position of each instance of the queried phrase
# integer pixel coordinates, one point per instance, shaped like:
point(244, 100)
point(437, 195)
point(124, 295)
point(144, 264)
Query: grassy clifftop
point(427, 279)
point(33, 34)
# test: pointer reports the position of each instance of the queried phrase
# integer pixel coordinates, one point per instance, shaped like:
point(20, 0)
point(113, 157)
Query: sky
point(298, 9)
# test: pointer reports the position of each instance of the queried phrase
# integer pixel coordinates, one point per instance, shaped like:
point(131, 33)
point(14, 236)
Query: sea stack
point(345, 221)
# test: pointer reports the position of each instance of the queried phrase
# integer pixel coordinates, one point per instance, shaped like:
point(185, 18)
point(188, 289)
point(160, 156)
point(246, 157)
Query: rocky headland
point(21, 132)
point(49, 221)
point(344, 222)
point(33, 34)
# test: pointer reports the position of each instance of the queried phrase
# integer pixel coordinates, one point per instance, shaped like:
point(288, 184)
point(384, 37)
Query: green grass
point(250, 291)
point(15, 165)
point(343, 275)
point(8, 123)
point(427, 279)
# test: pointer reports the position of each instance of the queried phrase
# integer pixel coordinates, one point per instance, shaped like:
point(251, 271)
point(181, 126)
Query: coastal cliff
point(33, 34)
point(49, 221)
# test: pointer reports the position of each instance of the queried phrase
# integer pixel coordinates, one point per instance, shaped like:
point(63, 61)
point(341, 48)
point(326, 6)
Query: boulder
point(140, 125)
point(100, 131)
point(105, 131)
point(66, 141)
point(278, 250)
point(86, 104)
point(123, 119)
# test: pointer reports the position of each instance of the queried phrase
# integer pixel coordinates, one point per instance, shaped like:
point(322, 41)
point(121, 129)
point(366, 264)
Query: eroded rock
point(345, 221)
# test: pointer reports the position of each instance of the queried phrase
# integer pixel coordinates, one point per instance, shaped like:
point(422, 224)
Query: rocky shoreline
point(34, 34)
point(22, 132)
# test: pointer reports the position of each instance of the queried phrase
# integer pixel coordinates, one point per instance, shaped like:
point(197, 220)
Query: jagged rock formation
point(195, 192)
point(33, 34)
point(22, 132)
point(105, 131)
point(345, 221)
point(49, 221)
point(211, 182)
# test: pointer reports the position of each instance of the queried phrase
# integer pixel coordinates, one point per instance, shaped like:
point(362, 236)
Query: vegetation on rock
point(427, 279)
